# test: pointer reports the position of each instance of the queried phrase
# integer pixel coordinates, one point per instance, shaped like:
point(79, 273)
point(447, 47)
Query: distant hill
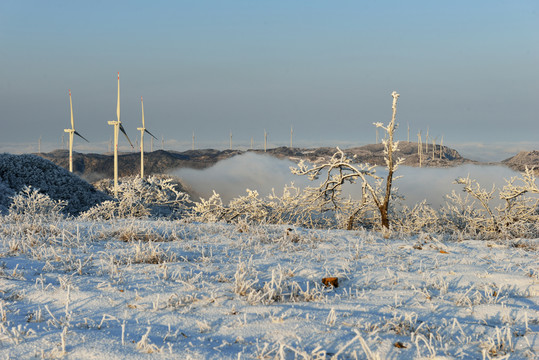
point(374, 154)
point(524, 159)
point(94, 167)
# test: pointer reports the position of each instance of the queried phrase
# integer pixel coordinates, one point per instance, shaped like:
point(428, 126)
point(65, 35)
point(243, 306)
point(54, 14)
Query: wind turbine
point(117, 127)
point(142, 131)
point(71, 132)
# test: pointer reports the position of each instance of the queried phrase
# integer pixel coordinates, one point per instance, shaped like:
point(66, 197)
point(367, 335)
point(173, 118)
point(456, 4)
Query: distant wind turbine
point(71, 132)
point(142, 131)
point(117, 127)
point(265, 140)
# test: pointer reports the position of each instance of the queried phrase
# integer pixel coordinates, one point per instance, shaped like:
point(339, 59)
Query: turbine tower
point(117, 127)
point(142, 131)
point(71, 132)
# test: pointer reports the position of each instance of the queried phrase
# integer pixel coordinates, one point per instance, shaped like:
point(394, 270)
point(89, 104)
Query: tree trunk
point(350, 224)
point(385, 218)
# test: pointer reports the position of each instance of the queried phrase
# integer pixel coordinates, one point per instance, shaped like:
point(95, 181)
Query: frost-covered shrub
point(294, 207)
point(417, 219)
point(18, 171)
point(475, 215)
point(116, 209)
point(249, 208)
point(156, 196)
point(32, 206)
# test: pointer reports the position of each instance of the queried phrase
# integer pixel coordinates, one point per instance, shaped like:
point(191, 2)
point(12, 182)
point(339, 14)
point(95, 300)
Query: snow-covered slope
point(18, 171)
point(141, 289)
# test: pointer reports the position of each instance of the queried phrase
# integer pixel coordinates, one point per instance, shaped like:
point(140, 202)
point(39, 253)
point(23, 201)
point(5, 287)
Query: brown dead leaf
point(330, 281)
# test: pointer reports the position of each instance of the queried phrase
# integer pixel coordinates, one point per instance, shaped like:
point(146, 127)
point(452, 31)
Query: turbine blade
point(150, 134)
point(123, 130)
point(142, 105)
point(79, 135)
point(71, 107)
point(118, 107)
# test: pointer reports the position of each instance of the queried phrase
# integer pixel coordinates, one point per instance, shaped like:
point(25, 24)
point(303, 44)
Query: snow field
point(166, 289)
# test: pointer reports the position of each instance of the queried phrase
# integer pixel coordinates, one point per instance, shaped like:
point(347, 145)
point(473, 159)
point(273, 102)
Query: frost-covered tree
point(20, 171)
point(341, 169)
point(6, 195)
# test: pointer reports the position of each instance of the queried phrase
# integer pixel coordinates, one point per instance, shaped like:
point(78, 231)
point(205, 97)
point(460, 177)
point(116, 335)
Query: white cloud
point(231, 177)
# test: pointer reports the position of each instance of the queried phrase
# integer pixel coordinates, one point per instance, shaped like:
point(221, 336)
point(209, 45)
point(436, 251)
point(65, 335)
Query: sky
point(466, 71)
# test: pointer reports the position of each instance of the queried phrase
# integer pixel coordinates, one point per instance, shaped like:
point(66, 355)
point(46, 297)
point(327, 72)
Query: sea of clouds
point(232, 176)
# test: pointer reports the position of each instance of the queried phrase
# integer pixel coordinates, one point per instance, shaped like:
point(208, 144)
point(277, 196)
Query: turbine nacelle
point(121, 127)
point(146, 131)
point(76, 133)
point(71, 132)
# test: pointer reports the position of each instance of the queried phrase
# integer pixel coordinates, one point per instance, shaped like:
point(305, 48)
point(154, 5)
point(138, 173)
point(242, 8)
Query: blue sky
point(467, 70)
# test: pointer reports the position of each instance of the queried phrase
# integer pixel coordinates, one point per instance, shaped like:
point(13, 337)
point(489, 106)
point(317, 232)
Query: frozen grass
point(147, 288)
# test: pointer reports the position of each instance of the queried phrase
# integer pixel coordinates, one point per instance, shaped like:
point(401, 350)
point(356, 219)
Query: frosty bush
point(156, 196)
point(30, 205)
point(474, 214)
point(295, 206)
point(116, 209)
point(303, 208)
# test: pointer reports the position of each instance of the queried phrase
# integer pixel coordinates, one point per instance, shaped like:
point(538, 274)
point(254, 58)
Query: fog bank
point(231, 177)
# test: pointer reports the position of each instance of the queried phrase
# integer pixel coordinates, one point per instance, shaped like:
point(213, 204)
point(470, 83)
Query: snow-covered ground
point(162, 289)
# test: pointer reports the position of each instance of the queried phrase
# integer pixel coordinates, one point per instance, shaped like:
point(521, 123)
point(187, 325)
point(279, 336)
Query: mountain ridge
point(94, 167)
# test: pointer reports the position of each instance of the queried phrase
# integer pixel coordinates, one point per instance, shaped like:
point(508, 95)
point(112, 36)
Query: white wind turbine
point(117, 127)
point(142, 131)
point(71, 132)
point(291, 134)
